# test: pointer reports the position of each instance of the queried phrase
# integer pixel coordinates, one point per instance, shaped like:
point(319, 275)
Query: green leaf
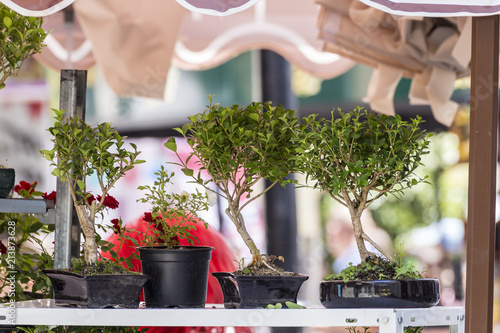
point(188, 172)
point(7, 21)
point(171, 144)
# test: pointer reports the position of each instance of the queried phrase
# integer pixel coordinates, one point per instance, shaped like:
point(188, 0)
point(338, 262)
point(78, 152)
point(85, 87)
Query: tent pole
point(482, 175)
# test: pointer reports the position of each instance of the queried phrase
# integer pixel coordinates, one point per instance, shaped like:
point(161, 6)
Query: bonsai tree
point(173, 215)
point(359, 156)
point(20, 38)
point(81, 151)
point(239, 146)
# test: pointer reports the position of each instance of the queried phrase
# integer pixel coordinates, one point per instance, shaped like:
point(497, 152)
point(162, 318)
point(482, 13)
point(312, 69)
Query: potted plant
point(356, 158)
point(179, 273)
point(81, 151)
point(238, 147)
point(7, 180)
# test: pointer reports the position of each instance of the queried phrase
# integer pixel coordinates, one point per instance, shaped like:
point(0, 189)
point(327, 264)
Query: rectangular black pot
point(258, 291)
point(410, 293)
point(96, 291)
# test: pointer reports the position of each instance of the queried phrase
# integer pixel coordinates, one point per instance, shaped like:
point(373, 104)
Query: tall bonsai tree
point(81, 151)
point(359, 156)
point(238, 147)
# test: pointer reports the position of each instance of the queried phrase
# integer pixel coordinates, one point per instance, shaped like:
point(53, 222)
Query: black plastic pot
point(251, 291)
point(380, 293)
point(179, 276)
point(96, 291)
point(7, 180)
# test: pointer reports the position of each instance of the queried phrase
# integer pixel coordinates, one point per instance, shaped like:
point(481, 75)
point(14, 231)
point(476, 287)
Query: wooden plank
point(482, 175)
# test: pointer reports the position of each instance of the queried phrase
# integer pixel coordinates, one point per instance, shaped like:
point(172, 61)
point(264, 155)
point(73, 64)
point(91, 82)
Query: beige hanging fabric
point(434, 52)
point(133, 45)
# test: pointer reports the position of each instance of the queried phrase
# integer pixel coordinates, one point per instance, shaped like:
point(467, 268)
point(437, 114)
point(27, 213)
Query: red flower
point(3, 248)
point(90, 199)
point(116, 226)
point(25, 189)
point(148, 217)
point(50, 196)
point(109, 201)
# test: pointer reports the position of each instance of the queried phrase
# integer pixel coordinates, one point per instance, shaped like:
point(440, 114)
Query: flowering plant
point(80, 151)
point(24, 252)
point(173, 215)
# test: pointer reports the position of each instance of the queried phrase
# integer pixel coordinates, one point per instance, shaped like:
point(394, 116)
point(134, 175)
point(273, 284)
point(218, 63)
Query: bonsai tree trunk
point(90, 245)
point(238, 221)
point(356, 208)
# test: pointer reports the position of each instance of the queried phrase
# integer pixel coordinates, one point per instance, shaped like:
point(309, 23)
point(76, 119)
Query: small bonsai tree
point(238, 147)
point(81, 151)
point(359, 156)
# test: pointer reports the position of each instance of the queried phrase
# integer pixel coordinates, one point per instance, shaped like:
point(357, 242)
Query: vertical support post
point(281, 212)
point(281, 216)
point(482, 175)
point(72, 98)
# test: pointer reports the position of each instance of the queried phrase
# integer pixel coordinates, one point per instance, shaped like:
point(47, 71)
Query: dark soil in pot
point(404, 293)
point(179, 276)
point(257, 291)
point(7, 181)
point(96, 291)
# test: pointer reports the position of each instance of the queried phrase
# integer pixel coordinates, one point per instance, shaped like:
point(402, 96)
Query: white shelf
point(44, 312)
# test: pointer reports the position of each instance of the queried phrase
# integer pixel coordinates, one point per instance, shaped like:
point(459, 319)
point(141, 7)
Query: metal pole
point(67, 233)
point(281, 213)
point(482, 175)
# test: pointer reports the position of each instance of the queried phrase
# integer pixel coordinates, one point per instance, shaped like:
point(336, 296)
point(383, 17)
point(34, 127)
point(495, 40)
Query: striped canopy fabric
point(444, 8)
point(37, 7)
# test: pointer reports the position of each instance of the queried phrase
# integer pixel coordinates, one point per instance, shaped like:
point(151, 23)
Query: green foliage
point(360, 153)
point(180, 210)
point(360, 156)
point(290, 305)
point(20, 38)
point(105, 266)
point(80, 151)
point(25, 255)
point(376, 268)
point(238, 146)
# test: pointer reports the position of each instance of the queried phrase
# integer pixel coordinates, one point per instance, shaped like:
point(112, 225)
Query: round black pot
point(7, 180)
point(380, 293)
point(251, 291)
point(96, 291)
point(179, 276)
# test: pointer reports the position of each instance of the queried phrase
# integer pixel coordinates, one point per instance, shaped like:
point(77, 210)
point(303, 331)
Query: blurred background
point(428, 223)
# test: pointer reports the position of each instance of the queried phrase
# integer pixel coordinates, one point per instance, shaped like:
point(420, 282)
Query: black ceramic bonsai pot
point(96, 291)
point(179, 276)
point(380, 293)
point(257, 291)
point(7, 181)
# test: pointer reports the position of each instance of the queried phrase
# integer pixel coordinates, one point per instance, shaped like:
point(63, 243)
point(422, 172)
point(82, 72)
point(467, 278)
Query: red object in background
point(222, 261)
